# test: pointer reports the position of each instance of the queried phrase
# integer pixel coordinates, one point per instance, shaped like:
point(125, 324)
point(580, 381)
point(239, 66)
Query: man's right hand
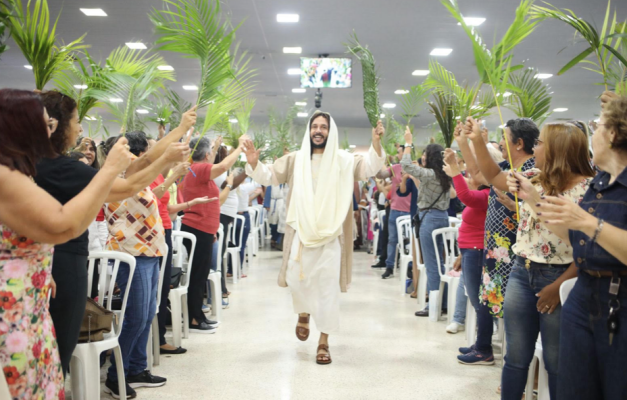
point(189, 119)
point(252, 154)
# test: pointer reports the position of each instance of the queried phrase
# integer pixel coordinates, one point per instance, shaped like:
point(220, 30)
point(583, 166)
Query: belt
point(532, 264)
point(603, 274)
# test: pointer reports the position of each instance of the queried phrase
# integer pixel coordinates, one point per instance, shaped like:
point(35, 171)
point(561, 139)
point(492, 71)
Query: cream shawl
point(318, 215)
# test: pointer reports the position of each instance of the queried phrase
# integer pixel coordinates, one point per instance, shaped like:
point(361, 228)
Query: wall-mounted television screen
point(326, 73)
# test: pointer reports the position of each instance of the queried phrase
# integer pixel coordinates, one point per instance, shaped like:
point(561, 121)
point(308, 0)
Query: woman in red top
point(203, 221)
point(470, 241)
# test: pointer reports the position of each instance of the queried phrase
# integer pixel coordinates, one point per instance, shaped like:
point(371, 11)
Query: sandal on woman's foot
point(302, 333)
point(413, 295)
point(323, 359)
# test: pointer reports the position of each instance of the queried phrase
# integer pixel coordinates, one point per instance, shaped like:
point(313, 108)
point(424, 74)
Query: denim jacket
point(607, 202)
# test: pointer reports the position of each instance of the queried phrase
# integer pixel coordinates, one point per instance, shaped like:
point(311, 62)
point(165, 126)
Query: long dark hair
point(60, 107)
point(23, 134)
point(433, 153)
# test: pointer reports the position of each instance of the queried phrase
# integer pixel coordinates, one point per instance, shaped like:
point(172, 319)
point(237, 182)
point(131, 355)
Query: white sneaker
point(455, 327)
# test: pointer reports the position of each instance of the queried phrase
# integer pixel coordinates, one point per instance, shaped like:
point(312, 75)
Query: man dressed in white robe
point(317, 259)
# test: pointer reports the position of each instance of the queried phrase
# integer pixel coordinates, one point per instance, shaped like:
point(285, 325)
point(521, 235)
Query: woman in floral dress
point(28, 217)
point(543, 260)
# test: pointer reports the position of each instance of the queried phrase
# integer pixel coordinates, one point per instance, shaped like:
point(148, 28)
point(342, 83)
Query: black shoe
point(387, 274)
point(179, 350)
point(203, 327)
point(422, 313)
point(111, 388)
point(378, 265)
point(210, 322)
point(145, 379)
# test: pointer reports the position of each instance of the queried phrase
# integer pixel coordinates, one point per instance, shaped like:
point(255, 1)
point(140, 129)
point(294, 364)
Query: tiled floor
point(382, 352)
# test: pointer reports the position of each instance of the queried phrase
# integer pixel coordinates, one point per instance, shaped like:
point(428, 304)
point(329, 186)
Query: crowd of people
point(538, 208)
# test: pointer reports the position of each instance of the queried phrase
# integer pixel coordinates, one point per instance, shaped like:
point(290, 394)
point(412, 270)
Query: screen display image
point(326, 73)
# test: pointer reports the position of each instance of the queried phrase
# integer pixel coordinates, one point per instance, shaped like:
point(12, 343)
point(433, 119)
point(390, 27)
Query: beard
point(318, 146)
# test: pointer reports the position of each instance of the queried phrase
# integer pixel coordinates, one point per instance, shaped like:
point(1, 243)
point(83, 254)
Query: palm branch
point(443, 109)
point(530, 96)
point(604, 45)
point(616, 71)
point(345, 144)
point(242, 115)
point(94, 125)
point(370, 79)
point(196, 29)
point(178, 106)
point(260, 137)
point(33, 34)
point(162, 112)
point(393, 136)
point(72, 80)
point(281, 133)
point(5, 12)
point(412, 102)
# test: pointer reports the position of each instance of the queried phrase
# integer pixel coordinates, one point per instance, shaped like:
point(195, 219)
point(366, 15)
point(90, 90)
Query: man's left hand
point(378, 132)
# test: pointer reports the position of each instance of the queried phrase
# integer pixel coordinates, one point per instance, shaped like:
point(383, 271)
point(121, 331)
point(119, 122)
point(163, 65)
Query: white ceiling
point(400, 33)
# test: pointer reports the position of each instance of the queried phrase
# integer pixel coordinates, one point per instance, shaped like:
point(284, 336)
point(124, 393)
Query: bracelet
point(188, 207)
point(597, 231)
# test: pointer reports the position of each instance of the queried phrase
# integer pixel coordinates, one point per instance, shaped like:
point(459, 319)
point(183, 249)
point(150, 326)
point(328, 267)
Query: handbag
point(97, 321)
point(417, 221)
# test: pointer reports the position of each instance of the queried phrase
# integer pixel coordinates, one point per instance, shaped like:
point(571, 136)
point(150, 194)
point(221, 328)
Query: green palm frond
point(412, 102)
point(345, 144)
point(260, 137)
point(530, 97)
point(370, 79)
point(178, 106)
point(443, 109)
point(281, 135)
point(242, 114)
point(162, 112)
point(616, 72)
point(94, 126)
point(5, 11)
point(197, 29)
point(393, 136)
point(604, 45)
point(36, 37)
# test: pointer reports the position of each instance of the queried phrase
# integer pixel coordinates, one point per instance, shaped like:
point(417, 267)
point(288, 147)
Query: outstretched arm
point(489, 169)
point(263, 174)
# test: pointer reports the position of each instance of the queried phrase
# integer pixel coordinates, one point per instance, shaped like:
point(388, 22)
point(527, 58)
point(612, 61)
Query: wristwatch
point(410, 145)
point(230, 187)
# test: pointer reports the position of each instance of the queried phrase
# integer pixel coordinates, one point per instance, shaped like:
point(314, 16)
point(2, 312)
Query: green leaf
point(576, 60)
point(370, 78)
point(530, 96)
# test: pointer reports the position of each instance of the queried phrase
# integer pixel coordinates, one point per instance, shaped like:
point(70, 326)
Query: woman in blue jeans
point(433, 203)
point(543, 259)
point(597, 233)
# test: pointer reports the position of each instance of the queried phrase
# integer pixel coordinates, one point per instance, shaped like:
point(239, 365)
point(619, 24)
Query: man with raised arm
point(318, 249)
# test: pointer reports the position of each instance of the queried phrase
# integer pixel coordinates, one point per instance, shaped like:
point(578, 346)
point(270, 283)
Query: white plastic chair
point(404, 232)
point(454, 222)
point(449, 239)
point(215, 280)
point(178, 295)
point(543, 375)
point(399, 244)
point(471, 323)
point(379, 232)
point(85, 363)
point(253, 236)
point(565, 289)
point(153, 348)
point(261, 217)
point(233, 252)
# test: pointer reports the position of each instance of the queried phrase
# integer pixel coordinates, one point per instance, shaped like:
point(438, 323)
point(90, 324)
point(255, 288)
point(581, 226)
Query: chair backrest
point(164, 260)
point(449, 238)
point(108, 277)
point(220, 244)
point(261, 214)
point(253, 214)
point(381, 216)
point(404, 232)
point(236, 240)
point(399, 220)
point(176, 226)
point(454, 222)
point(565, 289)
point(178, 237)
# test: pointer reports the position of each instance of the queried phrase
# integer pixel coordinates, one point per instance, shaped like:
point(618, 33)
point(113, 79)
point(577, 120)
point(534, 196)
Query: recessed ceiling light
point(507, 94)
point(420, 72)
point(301, 103)
point(88, 118)
point(292, 50)
point(233, 120)
point(401, 91)
point(190, 87)
point(502, 126)
point(302, 115)
point(94, 12)
point(441, 52)
point(136, 46)
point(115, 100)
point(299, 90)
point(287, 18)
point(543, 76)
point(28, 66)
point(142, 111)
point(80, 86)
point(560, 109)
point(382, 116)
point(165, 68)
point(352, 146)
point(472, 21)
point(388, 105)
point(294, 71)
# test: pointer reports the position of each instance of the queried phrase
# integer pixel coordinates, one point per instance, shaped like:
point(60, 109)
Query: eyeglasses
point(537, 142)
point(52, 124)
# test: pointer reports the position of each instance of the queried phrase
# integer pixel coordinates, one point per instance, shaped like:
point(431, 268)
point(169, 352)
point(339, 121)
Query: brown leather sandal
point(323, 359)
point(302, 333)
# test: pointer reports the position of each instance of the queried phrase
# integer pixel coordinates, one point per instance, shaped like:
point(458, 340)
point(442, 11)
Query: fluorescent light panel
point(292, 50)
point(233, 120)
point(301, 103)
point(80, 86)
point(136, 46)
point(190, 87)
point(560, 109)
point(352, 146)
point(294, 71)
point(142, 111)
point(543, 76)
point(441, 52)
point(165, 68)
point(298, 90)
point(28, 66)
point(94, 12)
point(287, 18)
point(302, 115)
point(388, 105)
point(115, 100)
point(472, 21)
point(420, 72)
point(401, 91)
point(382, 116)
